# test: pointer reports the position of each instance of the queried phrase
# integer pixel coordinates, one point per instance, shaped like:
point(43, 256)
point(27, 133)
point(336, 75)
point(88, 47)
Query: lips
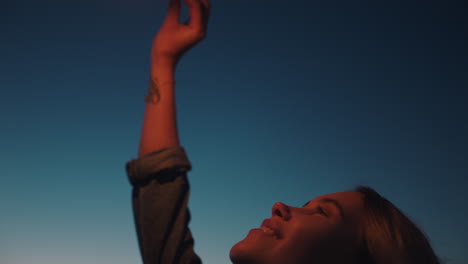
point(270, 227)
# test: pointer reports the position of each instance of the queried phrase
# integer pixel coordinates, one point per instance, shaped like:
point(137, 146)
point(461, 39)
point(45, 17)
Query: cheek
point(317, 236)
point(314, 242)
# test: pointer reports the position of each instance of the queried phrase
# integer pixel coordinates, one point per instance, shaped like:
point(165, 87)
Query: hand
point(175, 39)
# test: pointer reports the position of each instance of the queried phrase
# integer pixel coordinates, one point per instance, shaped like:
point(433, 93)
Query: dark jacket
point(160, 197)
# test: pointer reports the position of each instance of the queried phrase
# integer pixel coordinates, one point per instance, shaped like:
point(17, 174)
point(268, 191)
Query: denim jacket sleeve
point(160, 197)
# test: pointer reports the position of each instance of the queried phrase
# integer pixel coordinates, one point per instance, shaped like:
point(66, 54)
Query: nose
point(281, 210)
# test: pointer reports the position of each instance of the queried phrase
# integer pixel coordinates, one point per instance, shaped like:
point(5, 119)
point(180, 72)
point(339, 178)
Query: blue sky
point(283, 101)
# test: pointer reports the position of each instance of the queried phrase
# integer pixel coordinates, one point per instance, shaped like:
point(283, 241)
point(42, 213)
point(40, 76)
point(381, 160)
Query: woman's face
point(325, 230)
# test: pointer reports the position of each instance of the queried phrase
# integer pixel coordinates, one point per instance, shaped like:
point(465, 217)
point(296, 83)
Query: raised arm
point(172, 41)
point(158, 176)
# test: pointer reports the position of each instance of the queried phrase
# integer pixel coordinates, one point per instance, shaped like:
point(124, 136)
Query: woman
point(356, 226)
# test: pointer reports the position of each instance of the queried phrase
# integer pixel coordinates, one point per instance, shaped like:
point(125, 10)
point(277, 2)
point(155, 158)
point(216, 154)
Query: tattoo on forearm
point(153, 96)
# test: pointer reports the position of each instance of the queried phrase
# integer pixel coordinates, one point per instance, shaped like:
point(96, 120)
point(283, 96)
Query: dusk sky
point(283, 101)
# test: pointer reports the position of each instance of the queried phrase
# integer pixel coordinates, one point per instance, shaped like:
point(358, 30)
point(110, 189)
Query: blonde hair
point(389, 236)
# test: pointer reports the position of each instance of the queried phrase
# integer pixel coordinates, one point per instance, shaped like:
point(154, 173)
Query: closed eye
point(321, 211)
point(335, 203)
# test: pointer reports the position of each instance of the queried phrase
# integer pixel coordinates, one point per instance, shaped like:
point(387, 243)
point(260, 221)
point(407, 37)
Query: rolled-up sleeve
point(160, 206)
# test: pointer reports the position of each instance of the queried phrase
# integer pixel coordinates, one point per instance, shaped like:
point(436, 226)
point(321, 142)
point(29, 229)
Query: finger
point(206, 8)
point(195, 12)
point(206, 5)
point(174, 12)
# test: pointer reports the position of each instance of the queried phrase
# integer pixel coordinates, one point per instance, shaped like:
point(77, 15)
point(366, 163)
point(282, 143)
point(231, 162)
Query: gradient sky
point(284, 101)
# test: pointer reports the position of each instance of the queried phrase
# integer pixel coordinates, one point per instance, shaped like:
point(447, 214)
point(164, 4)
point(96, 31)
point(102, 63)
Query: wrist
point(164, 60)
point(163, 71)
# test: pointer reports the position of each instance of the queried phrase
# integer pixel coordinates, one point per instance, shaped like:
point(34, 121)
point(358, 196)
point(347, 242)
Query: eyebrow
point(332, 201)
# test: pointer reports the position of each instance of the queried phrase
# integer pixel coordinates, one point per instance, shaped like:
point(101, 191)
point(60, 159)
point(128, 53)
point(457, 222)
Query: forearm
point(160, 120)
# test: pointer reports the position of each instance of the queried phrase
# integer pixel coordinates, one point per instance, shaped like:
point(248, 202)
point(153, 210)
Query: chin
point(243, 253)
point(238, 253)
point(249, 252)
